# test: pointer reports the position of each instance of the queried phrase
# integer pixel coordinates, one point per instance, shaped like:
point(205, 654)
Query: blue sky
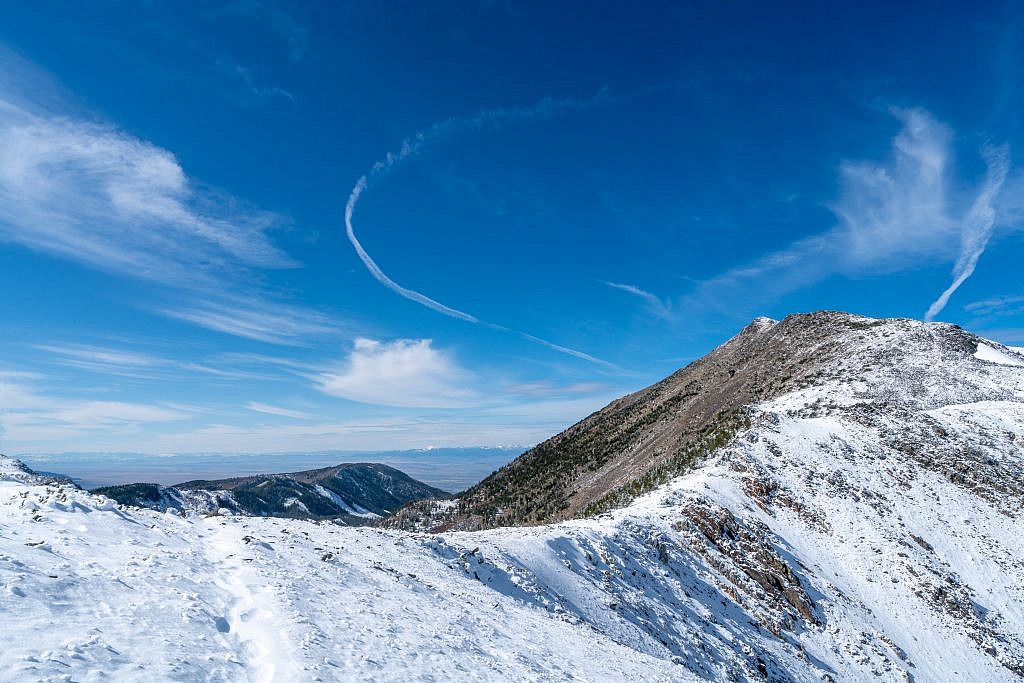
point(258, 227)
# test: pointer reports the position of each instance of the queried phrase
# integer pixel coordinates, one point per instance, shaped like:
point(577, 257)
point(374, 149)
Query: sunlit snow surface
point(907, 568)
point(996, 355)
point(91, 592)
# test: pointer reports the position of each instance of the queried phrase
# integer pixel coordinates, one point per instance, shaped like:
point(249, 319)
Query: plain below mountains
point(350, 493)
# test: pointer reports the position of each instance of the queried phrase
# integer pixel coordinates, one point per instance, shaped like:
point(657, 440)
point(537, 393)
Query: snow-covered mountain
point(862, 521)
point(829, 363)
point(350, 493)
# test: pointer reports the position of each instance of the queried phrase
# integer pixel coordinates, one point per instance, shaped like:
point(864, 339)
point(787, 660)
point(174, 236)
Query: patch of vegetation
point(536, 487)
point(131, 494)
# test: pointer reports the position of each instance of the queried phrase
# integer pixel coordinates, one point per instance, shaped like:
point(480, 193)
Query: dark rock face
point(646, 438)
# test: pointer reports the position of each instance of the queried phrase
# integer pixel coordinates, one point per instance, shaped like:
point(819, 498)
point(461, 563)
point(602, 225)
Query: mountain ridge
point(350, 493)
point(645, 438)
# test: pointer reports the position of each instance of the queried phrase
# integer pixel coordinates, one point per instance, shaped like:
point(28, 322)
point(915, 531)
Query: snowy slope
point(90, 592)
point(864, 526)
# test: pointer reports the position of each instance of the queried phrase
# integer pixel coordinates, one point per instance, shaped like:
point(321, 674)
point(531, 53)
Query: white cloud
point(105, 360)
point(261, 320)
point(28, 416)
point(997, 306)
point(404, 373)
point(896, 209)
point(255, 91)
point(143, 366)
point(545, 389)
point(412, 146)
point(100, 413)
point(526, 423)
point(287, 26)
point(36, 421)
point(370, 434)
point(94, 194)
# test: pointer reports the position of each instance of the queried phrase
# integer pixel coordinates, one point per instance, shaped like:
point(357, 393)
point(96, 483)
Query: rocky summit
point(883, 373)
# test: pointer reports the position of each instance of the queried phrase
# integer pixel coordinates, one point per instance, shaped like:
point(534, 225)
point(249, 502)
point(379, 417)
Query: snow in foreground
point(90, 592)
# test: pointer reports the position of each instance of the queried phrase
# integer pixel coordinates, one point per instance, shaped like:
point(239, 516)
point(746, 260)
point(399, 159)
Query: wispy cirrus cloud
point(998, 306)
point(396, 432)
point(545, 389)
point(994, 318)
point(893, 214)
point(133, 364)
point(278, 411)
point(654, 304)
point(255, 91)
point(288, 27)
point(411, 375)
point(256, 319)
point(523, 423)
point(111, 361)
point(90, 192)
point(977, 225)
point(31, 415)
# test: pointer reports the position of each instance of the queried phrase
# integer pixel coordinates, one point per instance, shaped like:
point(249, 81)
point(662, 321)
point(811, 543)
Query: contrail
point(977, 226)
point(562, 349)
point(380, 275)
point(412, 146)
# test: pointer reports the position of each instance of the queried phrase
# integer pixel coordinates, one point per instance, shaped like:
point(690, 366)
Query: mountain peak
point(819, 363)
point(349, 493)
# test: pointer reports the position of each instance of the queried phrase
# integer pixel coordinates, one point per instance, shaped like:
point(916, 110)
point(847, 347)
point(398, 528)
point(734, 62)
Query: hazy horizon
point(450, 469)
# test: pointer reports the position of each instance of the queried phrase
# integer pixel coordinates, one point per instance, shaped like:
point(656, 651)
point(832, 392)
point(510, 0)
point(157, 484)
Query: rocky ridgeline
point(826, 362)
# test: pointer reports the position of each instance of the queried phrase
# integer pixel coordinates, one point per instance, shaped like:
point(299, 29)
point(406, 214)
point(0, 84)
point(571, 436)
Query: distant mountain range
point(350, 493)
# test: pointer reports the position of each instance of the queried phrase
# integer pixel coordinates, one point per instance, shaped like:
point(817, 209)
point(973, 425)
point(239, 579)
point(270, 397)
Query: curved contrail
point(410, 147)
point(380, 275)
